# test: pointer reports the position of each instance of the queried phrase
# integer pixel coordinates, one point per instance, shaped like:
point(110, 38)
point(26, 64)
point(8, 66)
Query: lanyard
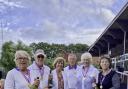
point(25, 75)
point(41, 70)
point(102, 79)
point(85, 72)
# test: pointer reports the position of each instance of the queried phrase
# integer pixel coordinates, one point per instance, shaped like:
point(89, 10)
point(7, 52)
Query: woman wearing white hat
point(38, 69)
point(88, 72)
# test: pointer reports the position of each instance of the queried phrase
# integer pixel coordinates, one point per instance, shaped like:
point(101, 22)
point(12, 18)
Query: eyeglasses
point(40, 56)
point(24, 58)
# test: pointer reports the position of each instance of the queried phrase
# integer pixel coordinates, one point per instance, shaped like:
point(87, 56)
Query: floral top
point(60, 81)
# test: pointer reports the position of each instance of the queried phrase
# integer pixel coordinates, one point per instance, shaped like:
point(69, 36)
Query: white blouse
point(16, 80)
point(88, 77)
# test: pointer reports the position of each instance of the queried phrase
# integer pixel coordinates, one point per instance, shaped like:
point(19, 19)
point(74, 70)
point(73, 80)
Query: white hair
point(20, 53)
point(85, 56)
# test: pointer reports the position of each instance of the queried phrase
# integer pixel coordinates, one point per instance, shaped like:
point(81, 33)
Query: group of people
point(73, 76)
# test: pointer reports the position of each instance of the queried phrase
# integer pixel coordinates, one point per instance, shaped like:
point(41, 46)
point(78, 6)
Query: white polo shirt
point(72, 77)
point(35, 72)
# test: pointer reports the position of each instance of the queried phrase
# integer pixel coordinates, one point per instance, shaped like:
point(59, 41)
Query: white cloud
point(64, 36)
point(87, 36)
point(107, 14)
point(6, 6)
point(9, 35)
point(11, 4)
point(69, 11)
point(62, 21)
point(105, 3)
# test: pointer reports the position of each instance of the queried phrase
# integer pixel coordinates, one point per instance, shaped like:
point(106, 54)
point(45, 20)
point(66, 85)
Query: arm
point(9, 81)
point(65, 80)
point(115, 82)
point(95, 80)
point(96, 75)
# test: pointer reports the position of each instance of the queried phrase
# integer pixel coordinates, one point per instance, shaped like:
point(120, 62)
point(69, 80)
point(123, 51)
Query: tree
point(8, 52)
point(52, 50)
point(7, 57)
point(21, 46)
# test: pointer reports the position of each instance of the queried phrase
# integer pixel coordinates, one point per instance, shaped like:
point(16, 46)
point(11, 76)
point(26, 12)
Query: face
point(40, 60)
point(86, 62)
point(104, 64)
point(72, 60)
point(59, 65)
point(22, 62)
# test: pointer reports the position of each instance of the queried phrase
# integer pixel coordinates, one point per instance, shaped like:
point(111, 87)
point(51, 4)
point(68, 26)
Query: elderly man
point(39, 70)
point(72, 71)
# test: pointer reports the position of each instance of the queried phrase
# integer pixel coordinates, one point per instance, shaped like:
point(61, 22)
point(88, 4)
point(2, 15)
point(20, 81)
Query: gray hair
point(85, 56)
point(20, 53)
point(72, 54)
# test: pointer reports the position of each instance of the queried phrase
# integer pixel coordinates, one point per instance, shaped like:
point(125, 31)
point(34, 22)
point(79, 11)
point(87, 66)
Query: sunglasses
point(40, 56)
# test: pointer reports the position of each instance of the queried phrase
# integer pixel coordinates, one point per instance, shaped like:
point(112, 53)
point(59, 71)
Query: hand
point(46, 88)
point(93, 85)
point(50, 76)
point(36, 82)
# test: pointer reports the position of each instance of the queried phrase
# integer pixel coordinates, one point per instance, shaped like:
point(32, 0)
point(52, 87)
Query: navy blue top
point(106, 81)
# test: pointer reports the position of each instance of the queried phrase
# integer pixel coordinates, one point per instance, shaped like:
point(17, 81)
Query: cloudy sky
point(56, 21)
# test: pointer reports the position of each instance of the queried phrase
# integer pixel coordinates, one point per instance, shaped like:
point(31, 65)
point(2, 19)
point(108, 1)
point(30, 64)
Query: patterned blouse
point(60, 81)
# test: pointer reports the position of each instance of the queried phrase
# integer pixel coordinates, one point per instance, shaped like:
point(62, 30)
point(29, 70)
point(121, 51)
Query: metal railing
point(123, 75)
point(123, 72)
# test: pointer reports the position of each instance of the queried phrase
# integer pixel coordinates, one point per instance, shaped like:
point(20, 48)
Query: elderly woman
point(88, 72)
point(59, 81)
point(107, 78)
point(20, 77)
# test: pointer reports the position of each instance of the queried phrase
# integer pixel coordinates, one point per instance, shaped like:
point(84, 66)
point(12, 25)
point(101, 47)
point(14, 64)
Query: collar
point(38, 67)
point(72, 67)
point(85, 67)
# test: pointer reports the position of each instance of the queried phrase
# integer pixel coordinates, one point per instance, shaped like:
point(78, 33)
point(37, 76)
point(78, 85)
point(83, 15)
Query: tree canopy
point(51, 50)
